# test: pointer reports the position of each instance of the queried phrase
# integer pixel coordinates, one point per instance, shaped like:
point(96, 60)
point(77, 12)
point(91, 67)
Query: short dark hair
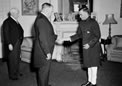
point(46, 5)
point(86, 9)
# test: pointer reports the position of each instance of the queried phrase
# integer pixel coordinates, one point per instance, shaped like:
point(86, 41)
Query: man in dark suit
point(43, 44)
point(13, 36)
point(89, 31)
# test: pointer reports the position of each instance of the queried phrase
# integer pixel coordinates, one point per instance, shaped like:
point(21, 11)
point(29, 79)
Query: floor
point(65, 74)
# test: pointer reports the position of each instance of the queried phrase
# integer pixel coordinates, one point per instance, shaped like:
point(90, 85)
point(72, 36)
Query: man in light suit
point(43, 44)
point(13, 37)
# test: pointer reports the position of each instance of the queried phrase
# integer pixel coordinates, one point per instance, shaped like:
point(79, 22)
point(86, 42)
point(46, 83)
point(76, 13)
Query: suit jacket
point(44, 40)
point(89, 31)
point(12, 32)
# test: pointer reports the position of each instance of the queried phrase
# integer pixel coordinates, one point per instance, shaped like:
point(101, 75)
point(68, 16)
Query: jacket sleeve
point(96, 32)
point(77, 36)
point(7, 38)
point(42, 27)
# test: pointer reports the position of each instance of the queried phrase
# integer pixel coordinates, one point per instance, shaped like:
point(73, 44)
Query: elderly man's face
point(15, 13)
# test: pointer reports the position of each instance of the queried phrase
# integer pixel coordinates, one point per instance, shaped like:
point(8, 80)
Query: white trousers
point(92, 74)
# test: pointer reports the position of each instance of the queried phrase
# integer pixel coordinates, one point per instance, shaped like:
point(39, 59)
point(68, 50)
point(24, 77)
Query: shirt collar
point(14, 19)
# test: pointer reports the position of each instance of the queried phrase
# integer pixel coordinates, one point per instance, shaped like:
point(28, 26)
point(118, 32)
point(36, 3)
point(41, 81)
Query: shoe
point(93, 85)
point(13, 78)
point(86, 84)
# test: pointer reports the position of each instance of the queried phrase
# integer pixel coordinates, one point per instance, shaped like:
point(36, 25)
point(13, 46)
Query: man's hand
point(10, 47)
point(67, 39)
point(86, 46)
point(61, 40)
point(48, 56)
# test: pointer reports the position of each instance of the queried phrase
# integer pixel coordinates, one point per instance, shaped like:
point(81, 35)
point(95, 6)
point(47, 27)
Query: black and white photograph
point(60, 42)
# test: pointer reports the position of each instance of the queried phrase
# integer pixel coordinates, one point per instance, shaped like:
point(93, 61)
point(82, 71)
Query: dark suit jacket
point(12, 32)
point(44, 40)
point(89, 31)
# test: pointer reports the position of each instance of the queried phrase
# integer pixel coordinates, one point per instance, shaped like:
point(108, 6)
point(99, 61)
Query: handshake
point(61, 40)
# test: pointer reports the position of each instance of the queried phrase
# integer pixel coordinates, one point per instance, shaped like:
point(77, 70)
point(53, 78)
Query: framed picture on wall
point(76, 4)
point(29, 7)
